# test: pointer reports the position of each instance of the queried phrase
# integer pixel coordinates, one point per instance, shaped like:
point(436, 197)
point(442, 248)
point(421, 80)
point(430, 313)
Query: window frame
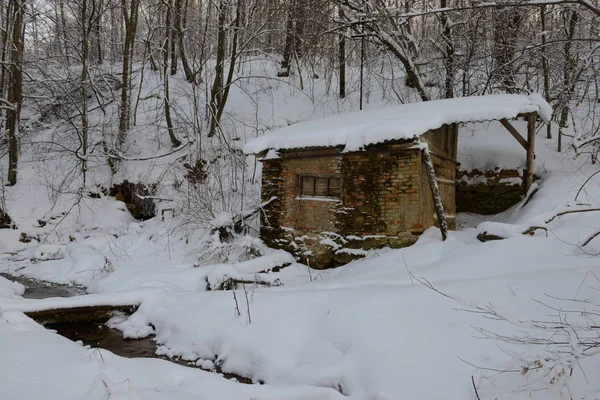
point(314, 178)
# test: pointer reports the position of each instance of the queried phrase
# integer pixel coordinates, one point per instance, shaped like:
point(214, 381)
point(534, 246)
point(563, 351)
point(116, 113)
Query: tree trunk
point(114, 33)
point(6, 43)
point(342, 56)
point(216, 94)
point(176, 13)
point(507, 21)
point(131, 19)
point(187, 70)
point(98, 32)
point(63, 23)
point(288, 50)
point(232, 60)
point(166, 100)
point(83, 83)
point(299, 23)
point(448, 53)
point(568, 68)
point(545, 69)
point(15, 90)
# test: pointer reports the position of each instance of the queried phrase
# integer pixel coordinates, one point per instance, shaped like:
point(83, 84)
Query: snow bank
point(407, 121)
point(39, 364)
point(10, 289)
point(130, 298)
point(73, 263)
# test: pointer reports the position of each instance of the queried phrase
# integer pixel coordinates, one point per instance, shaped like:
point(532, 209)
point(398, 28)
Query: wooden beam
point(530, 151)
point(511, 129)
point(435, 192)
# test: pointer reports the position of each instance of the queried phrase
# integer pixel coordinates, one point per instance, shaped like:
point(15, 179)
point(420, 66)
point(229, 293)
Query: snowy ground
point(368, 330)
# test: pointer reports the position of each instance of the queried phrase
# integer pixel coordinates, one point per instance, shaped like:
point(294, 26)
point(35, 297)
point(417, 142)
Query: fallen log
point(486, 237)
point(232, 283)
point(98, 314)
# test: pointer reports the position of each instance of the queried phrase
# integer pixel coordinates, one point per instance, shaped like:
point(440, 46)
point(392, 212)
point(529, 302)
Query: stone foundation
point(488, 192)
point(137, 198)
point(321, 250)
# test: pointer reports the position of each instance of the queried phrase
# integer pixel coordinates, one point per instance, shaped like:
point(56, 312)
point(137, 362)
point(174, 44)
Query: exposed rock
point(401, 241)
point(321, 256)
point(488, 192)
point(5, 220)
point(343, 256)
point(486, 237)
point(374, 242)
point(137, 197)
point(26, 238)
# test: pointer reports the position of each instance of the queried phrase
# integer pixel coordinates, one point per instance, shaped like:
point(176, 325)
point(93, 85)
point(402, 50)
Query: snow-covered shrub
point(214, 250)
point(47, 252)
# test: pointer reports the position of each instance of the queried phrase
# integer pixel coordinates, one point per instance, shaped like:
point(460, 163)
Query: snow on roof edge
point(358, 129)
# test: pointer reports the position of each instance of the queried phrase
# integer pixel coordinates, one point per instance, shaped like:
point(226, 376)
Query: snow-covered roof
point(356, 130)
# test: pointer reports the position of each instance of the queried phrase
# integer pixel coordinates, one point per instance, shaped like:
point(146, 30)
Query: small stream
point(35, 289)
point(94, 332)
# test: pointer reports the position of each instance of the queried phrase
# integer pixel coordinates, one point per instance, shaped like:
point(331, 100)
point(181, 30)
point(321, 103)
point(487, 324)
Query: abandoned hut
point(339, 186)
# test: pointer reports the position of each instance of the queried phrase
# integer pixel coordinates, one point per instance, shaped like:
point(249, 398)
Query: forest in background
point(114, 83)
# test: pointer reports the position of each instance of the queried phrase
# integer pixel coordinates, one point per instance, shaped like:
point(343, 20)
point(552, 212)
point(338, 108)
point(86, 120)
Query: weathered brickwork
point(380, 205)
point(272, 185)
point(381, 194)
point(488, 192)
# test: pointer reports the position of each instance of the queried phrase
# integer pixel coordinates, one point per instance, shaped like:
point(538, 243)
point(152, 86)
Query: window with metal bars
point(320, 186)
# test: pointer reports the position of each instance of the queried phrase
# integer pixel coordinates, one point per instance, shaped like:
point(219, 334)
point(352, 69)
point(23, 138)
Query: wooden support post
point(530, 151)
point(515, 133)
point(435, 191)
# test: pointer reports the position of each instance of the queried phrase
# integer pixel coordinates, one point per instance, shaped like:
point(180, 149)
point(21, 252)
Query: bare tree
point(130, 16)
point(15, 88)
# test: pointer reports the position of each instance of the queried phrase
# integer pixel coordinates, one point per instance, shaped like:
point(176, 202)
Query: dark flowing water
point(93, 331)
point(101, 336)
point(98, 335)
point(35, 289)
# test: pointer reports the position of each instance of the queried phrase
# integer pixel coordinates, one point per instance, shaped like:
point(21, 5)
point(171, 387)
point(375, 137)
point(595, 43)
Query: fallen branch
point(571, 212)
point(237, 221)
point(585, 183)
point(487, 237)
point(590, 239)
point(232, 283)
point(531, 230)
point(475, 388)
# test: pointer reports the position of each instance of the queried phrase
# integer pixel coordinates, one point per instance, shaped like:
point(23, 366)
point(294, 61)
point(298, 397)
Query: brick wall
point(272, 185)
point(384, 193)
point(317, 215)
point(381, 193)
